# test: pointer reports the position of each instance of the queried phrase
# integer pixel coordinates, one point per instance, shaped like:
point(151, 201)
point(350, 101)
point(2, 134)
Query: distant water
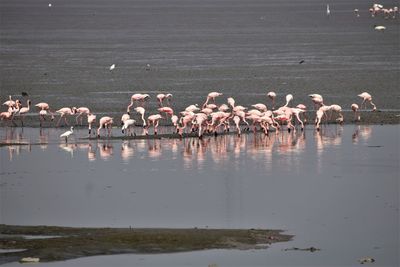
point(61, 54)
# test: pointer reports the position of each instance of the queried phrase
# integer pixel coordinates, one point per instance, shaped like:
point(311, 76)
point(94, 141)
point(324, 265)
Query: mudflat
point(72, 243)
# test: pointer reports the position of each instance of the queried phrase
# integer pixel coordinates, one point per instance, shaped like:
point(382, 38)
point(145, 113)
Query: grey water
point(337, 190)
point(61, 54)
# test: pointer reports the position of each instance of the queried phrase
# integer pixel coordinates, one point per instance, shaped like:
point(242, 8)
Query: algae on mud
point(81, 242)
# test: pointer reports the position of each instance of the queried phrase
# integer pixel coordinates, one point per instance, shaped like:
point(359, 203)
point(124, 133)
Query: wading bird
point(67, 134)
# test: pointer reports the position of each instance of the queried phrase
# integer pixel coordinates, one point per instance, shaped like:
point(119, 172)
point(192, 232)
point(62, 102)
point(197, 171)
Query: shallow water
point(337, 190)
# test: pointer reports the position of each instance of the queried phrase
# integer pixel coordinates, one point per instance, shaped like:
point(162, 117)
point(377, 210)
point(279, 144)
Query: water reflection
point(193, 151)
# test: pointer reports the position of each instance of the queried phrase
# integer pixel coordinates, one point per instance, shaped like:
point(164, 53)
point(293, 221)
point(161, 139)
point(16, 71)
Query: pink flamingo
point(296, 112)
point(137, 97)
point(212, 96)
point(141, 111)
point(6, 115)
point(81, 111)
point(354, 107)
point(166, 110)
point(337, 109)
point(153, 120)
point(231, 102)
point(185, 121)
point(267, 120)
point(44, 107)
point(317, 100)
point(272, 96)
point(320, 113)
point(106, 123)
point(223, 108)
point(192, 108)
point(9, 102)
point(236, 120)
point(63, 113)
point(91, 118)
point(24, 110)
point(200, 120)
point(174, 120)
point(260, 107)
point(162, 97)
point(367, 98)
point(289, 98)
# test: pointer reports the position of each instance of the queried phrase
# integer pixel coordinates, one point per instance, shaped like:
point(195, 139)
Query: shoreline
point(367, 117)
point(73, 242)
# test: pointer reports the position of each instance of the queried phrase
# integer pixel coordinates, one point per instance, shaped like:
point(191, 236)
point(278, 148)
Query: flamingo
point(318, 118)
point(161, 98)
point(354, 107)
point(63, 114)
point(67, 134)
point(231, 102)
point(192, 108)
point(211, 106)
point(338, 109)
point(236, 120)
point(91, 118)
point(296, 112)
point(212, 96)
point(175, 120)
point(125, 117)
point(289, 98)
point(153, 120)
point(200, 119)
point(260, 107)
point(166, 110)
point(141, 111)
point(128, 124)
point(24, 110)
point(44, 107)
point(81, 111)
point(137, 97)
point(317, 100)
point(272, 96)
point(9, 102)
point(223, 107)
point(106, 123)
point(6, 115)
point(367, 98)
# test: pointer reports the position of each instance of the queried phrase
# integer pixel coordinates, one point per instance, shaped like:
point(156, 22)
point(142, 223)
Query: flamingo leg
point(58, 122)
point(76, 118)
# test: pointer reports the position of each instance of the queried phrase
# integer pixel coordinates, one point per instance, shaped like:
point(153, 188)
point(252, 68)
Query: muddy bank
point(82, 242)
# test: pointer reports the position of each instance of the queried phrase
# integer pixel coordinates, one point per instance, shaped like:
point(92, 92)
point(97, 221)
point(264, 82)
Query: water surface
point(337, 189)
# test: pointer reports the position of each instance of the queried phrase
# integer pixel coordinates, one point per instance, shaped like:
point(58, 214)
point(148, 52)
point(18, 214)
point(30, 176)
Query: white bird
point(67, 134)
point(128, 125)
point(112, 67)
point(379, 28)
point(328, 11)
point(49, 5)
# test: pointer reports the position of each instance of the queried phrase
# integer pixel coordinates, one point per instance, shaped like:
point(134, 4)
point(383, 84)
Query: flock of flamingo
point(210, 117)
